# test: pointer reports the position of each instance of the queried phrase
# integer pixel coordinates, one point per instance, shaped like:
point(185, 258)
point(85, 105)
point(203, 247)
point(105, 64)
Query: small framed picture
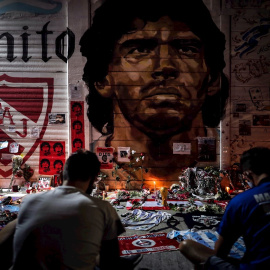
point(34, 185)
point(44, 182)
point(57, 180)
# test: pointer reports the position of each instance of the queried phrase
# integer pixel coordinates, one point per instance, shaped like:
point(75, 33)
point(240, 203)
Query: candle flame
point(227, 189)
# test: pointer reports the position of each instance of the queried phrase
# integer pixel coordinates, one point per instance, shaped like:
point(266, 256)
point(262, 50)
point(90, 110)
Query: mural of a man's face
point(158, 72)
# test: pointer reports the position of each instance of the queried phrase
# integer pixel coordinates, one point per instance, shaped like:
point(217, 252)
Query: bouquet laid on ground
point(200, 181)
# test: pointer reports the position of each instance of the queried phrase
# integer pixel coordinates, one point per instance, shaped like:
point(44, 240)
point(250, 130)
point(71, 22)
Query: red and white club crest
point(24, 102)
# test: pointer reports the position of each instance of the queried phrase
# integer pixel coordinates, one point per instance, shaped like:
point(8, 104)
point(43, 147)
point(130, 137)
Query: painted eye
point(139, 50)
point(189, 50)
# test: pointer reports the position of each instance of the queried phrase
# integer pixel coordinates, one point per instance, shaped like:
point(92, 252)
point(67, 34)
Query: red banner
point(77, 125)
point(148, 243)
point(52, 157)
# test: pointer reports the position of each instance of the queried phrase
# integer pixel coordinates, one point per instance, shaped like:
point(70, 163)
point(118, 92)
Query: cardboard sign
point(105, 157)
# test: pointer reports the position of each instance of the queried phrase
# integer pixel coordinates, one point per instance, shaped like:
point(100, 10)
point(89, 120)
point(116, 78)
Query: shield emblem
point(29, 101)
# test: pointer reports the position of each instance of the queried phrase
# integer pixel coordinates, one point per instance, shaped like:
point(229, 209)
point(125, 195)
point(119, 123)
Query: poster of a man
point(45, 149)
point(45, 165)
point(160, 79)
point(77, 144)
point(77, 126)
point(77, 108)
point(58, 165)
point(58, 149)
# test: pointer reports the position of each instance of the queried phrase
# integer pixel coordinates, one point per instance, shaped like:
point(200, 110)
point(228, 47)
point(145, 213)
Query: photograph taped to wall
point(245, 127)
point(182, 148)
point(3, 144)
point(57, 118)
point(123, 154)
point(14, 148)
point(261, 120)
point(34, 132)
point(207, 149)
point(240, 107)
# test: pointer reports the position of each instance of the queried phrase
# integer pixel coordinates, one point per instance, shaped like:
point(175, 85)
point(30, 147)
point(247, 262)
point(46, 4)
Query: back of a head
point(81, 166)
point(257, 160)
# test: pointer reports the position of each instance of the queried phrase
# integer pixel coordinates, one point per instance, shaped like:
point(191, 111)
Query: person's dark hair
point(57, 144)
point(256, 160)
point(45, 144)
point(81, 166)
point(76, 122)
point(114, 18)
point(44, 161)
point(56, 162)
point(77, 140)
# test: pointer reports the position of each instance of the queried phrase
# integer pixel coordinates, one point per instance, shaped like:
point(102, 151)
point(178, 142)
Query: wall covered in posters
point(36, 44)
point(250, 81)
point(158, 85)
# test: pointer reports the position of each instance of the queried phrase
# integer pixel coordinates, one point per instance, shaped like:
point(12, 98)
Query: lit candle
point(154, 187)
point(227, 189)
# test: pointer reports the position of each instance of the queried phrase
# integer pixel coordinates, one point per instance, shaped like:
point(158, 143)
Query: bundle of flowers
point(27, 172)
point(136, 203)
point(200, 181)
point(123, 195)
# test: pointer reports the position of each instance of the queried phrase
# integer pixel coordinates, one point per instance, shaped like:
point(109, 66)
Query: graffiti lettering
point(264, 48)
point(24, 128)
point(8, 115)
point(251, 69)
point(252, 36)
point(59, 44)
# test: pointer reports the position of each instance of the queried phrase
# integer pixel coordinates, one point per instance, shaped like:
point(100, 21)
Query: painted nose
point(165, 64)
point(165, 74)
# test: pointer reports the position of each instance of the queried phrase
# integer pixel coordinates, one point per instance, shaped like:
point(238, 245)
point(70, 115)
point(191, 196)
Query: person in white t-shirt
point(66, 228)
